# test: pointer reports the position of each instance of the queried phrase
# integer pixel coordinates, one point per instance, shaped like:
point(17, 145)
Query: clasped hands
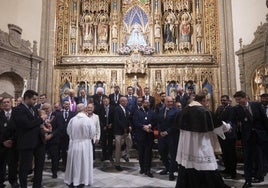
point(147, 128)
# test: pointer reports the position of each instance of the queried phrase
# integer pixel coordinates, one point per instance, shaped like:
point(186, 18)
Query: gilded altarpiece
point(161, 44)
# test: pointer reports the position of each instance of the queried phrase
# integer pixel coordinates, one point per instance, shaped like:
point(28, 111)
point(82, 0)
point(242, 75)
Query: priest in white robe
point(195, 154)
point(79, 168)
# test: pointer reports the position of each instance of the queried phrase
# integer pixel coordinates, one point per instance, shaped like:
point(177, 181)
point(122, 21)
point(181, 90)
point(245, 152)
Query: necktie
point(8, 116)
point(66, 115)
point(31, 110)
point(165, 113)
point(247, 111)
point(116, 98)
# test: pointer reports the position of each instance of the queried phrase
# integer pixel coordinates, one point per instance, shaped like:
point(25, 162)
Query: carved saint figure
point(169, 28)
point(114, 31)
point(157, 30)
point(185, 29)
point(136, 37)
point(102, 30)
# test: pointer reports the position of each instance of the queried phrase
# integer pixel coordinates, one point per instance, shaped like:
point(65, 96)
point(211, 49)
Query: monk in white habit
point(79, 168)
point(195, 155)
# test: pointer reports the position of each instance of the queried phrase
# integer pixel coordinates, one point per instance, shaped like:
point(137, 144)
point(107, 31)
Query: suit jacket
point(104, 118)
point(7, 129)
point(225, 113)
point(141, 118)
point(62, 123)
point(166, 124)
point(28, 127)
point(158, 107)
point(98, 103)
point(131, 103)
point(55, 129)
point(121, 121)
point(80, 99)
point(112, 99)
point(182, 99)
point(152, 101)
point(256, 122)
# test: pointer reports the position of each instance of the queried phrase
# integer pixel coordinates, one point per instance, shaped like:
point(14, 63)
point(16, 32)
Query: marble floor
point(106, 176)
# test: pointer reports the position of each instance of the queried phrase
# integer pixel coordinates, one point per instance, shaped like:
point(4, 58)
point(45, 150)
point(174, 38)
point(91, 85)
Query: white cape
point(79, 168)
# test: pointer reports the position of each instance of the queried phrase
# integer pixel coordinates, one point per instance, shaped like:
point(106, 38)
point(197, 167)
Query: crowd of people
point(68, 132)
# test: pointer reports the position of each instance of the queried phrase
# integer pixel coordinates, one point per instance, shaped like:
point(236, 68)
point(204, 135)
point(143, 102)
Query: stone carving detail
point(136, 64)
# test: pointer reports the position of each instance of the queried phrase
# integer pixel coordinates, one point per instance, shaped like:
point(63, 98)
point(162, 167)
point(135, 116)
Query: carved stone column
point(47, 48)
point(227, 61)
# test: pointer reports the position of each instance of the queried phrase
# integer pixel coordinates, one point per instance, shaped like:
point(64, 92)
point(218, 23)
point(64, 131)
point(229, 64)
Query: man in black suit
point(8, 150)
point(62, 120)
point(253, 121)
point(97, 99)
point(131, 100)
point(168, 137)
point(107, 133)
point(31, 140)
point(53, 136)
point(148, 97)
point(84, 98)
point(114, 97)
point(122, 129)
point(144, 122)
point(182, 97)
point(224, 113)
point(160, 105)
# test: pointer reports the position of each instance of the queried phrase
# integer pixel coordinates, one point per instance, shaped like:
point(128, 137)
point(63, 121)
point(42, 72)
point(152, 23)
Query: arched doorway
point(11, 83)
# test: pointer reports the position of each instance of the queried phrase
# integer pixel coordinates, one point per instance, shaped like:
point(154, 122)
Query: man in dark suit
point(144, 122)
point(122, 129)
point(107, 133)
point(168, 137)
point(114, 97)
point(182, 97)
point(224, 113)
point(131, 100)
point(84, 98)
point(62, 120)
point(253, 121)
point(148, 97)
point(53, 137)
point(30, 140)
point(97, 99)
point(8, 150)
point(160, 105)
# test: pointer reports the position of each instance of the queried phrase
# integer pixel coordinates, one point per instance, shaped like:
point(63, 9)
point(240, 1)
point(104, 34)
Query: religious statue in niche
point(185, 32)
point(102, 30)
point(87, 31)
point(136, 86)
point(114, 31)
point(169, 28)
point(136, 38)
point(157, 29)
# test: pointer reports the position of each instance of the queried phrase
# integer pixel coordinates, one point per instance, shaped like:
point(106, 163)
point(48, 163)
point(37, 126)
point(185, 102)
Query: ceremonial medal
point(145, 118)
point(246, 119)
point(5, 124)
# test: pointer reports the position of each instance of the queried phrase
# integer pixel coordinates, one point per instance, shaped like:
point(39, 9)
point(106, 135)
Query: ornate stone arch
point(13, 78)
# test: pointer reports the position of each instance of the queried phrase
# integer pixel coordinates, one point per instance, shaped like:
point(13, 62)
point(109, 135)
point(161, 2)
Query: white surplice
point(79, 168)
point(195, 150)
